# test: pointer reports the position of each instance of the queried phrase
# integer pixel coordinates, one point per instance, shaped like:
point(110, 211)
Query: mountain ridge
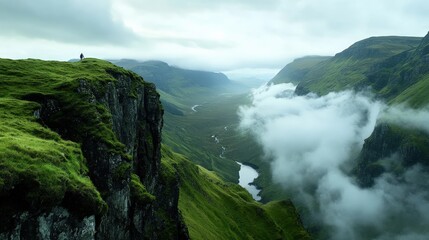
point(349, 69)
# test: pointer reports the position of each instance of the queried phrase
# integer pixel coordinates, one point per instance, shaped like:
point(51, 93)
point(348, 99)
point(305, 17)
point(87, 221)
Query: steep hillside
point(403, 77)
point(295, 71)
point(350, 68)
point(214, 209)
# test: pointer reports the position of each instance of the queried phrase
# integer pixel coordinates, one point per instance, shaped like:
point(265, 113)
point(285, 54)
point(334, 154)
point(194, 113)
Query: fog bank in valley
point(312, 143)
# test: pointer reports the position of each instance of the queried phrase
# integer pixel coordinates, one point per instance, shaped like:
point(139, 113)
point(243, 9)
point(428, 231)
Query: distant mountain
point(178, 81)
point(296, 70)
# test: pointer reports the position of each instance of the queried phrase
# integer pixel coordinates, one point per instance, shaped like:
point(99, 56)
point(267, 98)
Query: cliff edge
point(80, 154)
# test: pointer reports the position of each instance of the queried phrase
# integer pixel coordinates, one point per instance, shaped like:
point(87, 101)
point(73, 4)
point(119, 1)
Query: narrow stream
point(247, 176)
point(246, 173)
point(194, 108)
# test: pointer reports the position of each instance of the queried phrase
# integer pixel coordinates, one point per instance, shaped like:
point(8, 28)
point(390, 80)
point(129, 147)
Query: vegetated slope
point(404, 77)
point(350, 68)
point(296, 70)
point(401, 79)
point(80, 154)
point(214, 209)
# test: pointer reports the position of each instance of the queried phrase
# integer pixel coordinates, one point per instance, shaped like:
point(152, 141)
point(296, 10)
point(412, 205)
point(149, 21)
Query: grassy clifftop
point(38, 168)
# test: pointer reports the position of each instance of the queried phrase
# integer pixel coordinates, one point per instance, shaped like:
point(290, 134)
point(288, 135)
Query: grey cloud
point(218, 35)
point(64, 21)
point(312, 142)
point(311, 134)
point(178, 6)
point(408, 117)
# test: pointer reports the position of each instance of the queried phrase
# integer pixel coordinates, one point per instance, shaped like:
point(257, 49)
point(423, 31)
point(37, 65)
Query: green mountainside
point(350, 68)
point(296, 70)
point(81, 158)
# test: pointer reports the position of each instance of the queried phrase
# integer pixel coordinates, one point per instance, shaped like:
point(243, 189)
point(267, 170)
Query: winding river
point(246, 173)
point(194, 108)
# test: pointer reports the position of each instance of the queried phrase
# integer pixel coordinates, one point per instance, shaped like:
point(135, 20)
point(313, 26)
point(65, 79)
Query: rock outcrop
point(392, 149)
point(131, 110)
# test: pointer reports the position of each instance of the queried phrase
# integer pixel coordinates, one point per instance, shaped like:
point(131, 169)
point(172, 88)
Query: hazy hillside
point(295, 71)
point(180, 82)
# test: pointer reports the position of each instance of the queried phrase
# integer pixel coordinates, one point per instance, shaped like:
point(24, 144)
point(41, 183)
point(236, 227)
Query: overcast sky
point(234, 36)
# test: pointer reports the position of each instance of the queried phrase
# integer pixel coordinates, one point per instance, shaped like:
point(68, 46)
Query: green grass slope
point(214, 209)
point(296, 70)
point(349, 69)
point(404, 78)
point(39, 169)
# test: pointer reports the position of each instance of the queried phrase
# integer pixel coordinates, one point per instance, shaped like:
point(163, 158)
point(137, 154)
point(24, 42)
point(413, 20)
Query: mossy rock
point(40, 168)
point(139, 192)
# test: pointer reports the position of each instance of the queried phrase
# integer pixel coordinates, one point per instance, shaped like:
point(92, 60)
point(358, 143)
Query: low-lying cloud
point(313, 141)
point(408, 117)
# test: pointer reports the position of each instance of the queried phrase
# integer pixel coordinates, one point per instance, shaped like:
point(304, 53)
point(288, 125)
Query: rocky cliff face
point(391, 149)
point(133, 111)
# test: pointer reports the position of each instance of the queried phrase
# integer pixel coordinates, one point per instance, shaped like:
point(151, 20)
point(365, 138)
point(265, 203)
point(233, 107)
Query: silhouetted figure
point(81, 56)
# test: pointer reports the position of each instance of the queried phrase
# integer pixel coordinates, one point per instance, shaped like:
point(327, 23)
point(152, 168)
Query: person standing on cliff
point(81, 56)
